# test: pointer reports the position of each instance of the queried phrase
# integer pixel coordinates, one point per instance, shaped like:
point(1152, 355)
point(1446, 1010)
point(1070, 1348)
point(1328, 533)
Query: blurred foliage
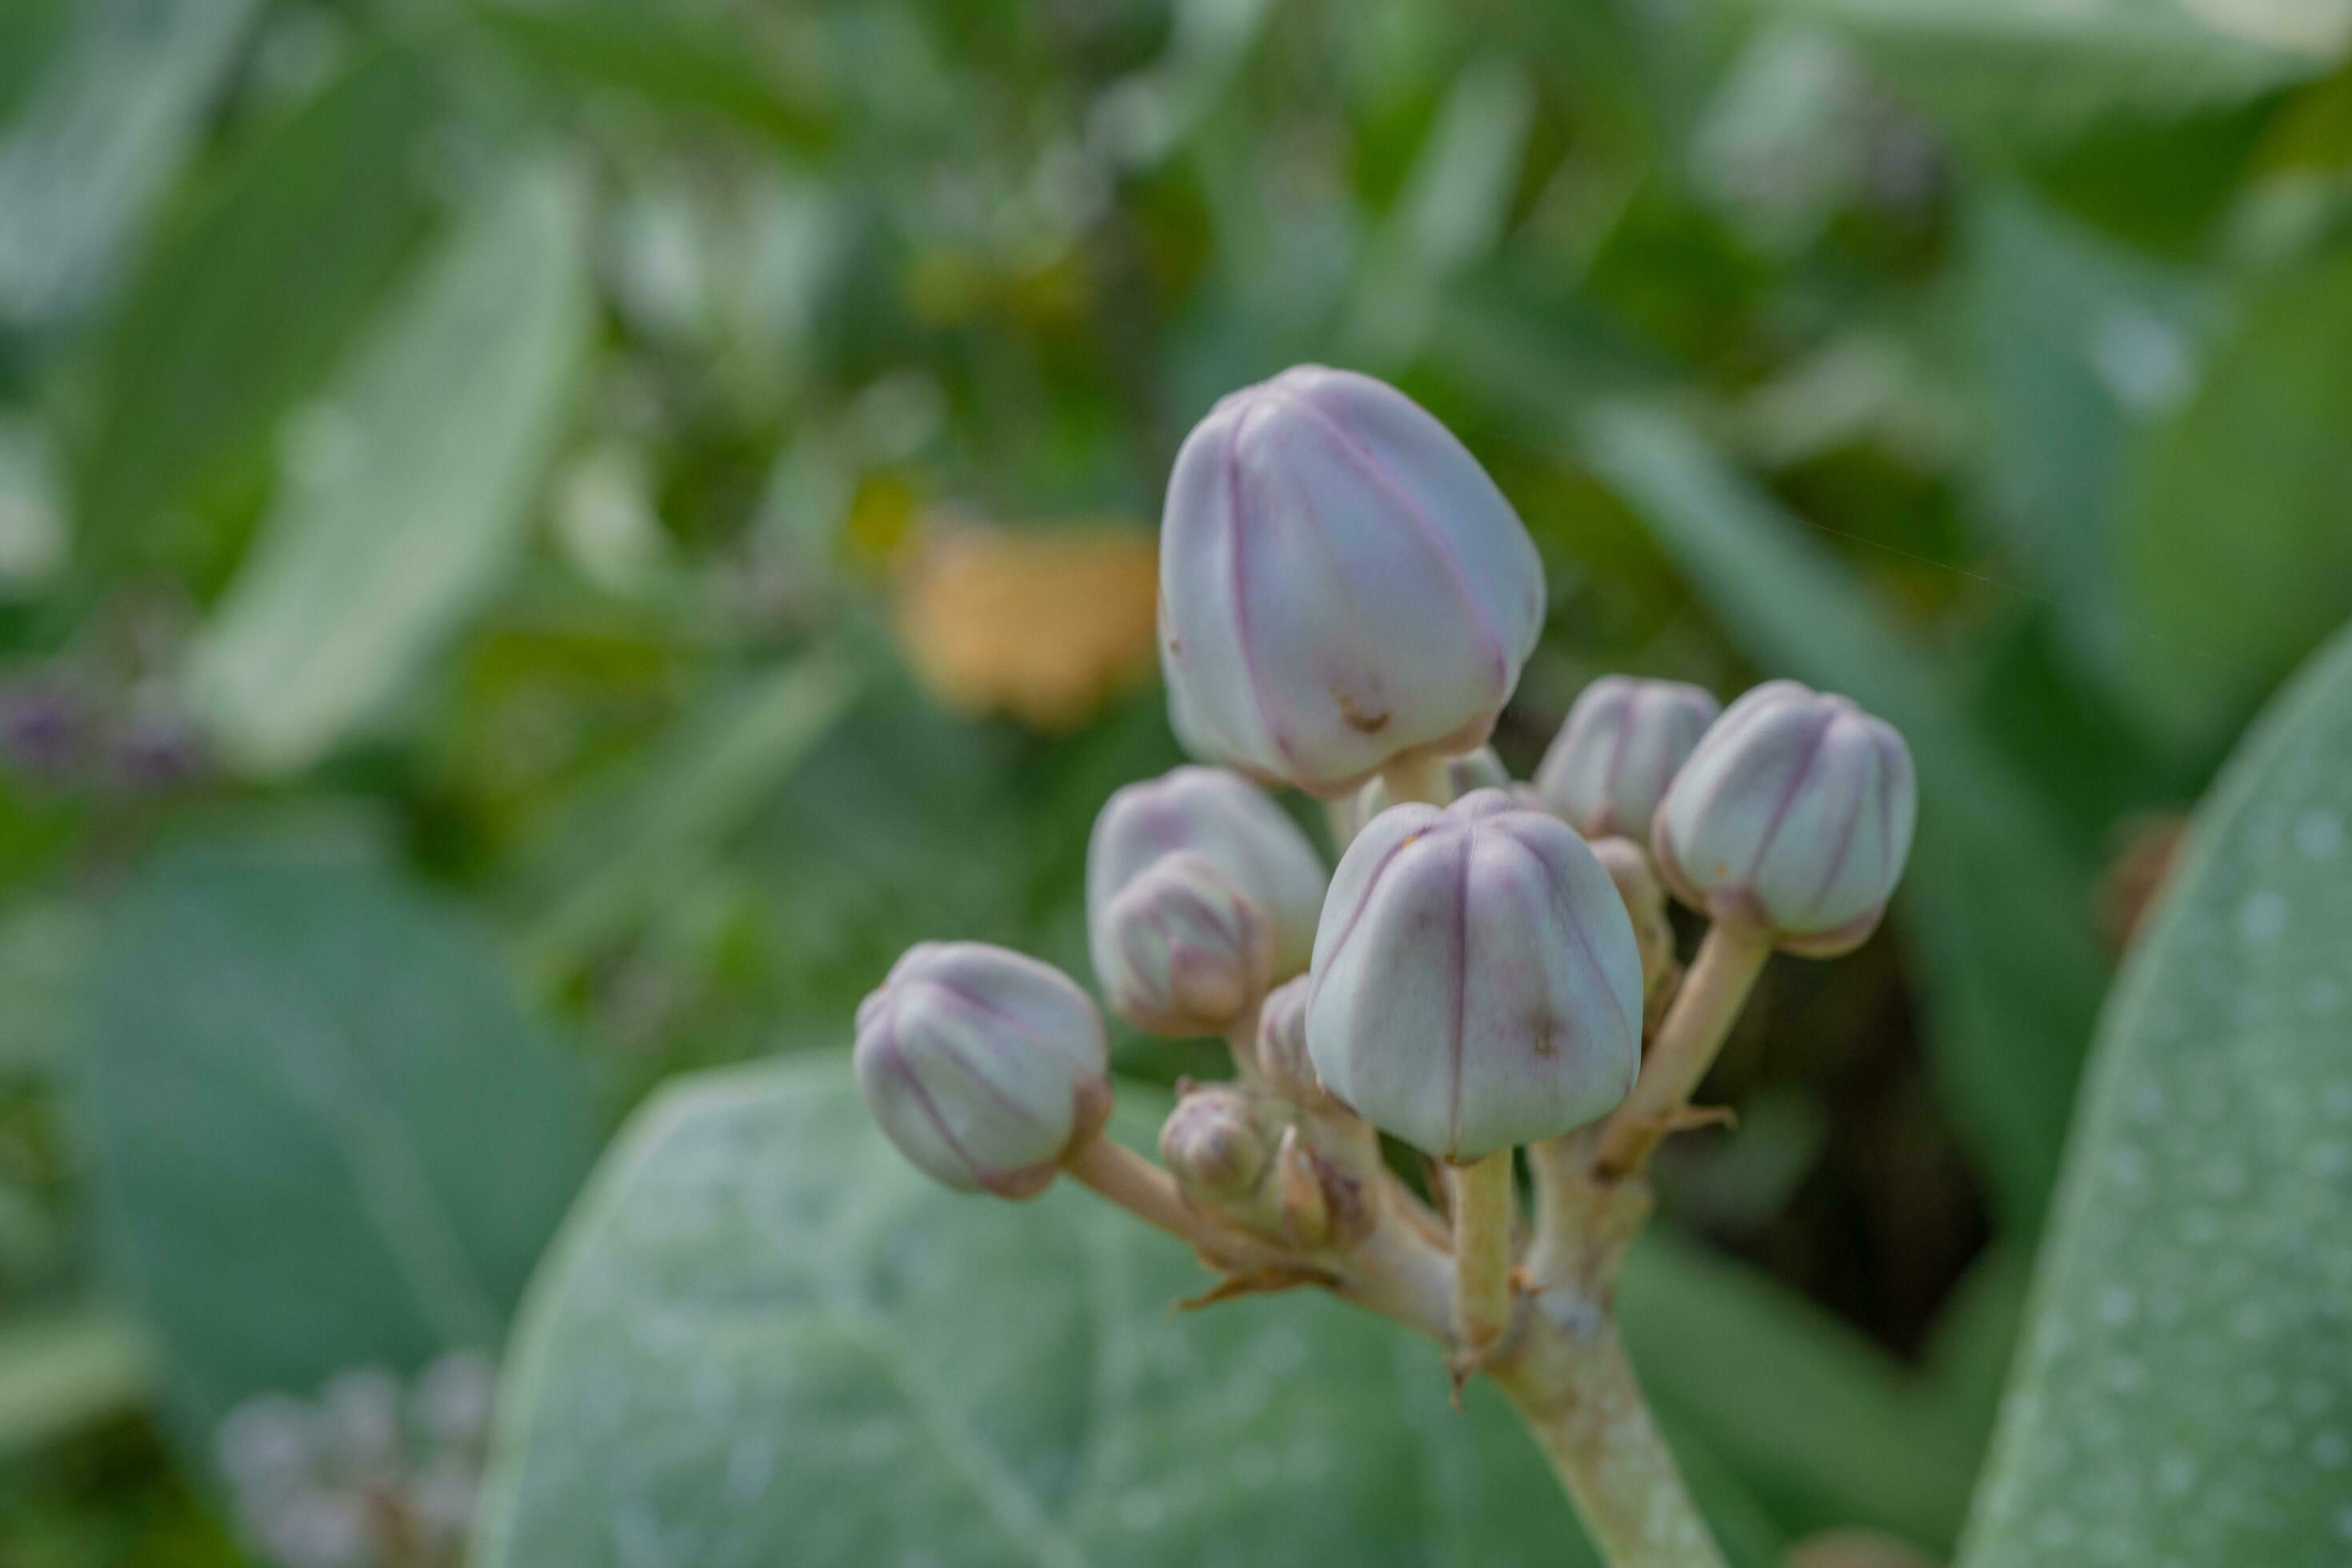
point(672, 481)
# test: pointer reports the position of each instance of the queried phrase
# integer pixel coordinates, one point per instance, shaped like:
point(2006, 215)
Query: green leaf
point(64, 1370)
point(665, 57)
point(650, 831)
point(2182, 1396)
point(411, 485)
point(238, 313)
point(762, 1338)
point(2013, 974)
point(2238, 546)
point(98, 137)
point(325, 1135)
point(1734, 1355)
point(2017, 74)
point(2070, 341)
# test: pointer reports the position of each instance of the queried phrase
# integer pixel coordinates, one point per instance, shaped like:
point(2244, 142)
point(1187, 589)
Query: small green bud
point(1213, 1142)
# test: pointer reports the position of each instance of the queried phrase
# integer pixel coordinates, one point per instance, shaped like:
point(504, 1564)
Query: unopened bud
point(1282, 1053)
point(1793, 816)
point(1477, 982)
point(1227, 821)
point(1628, 865)
point(1341, 584)
point(1212, 1143)
point(1182, 950)
point(1613, 759)
point(1481, 769)
point(985, 1067)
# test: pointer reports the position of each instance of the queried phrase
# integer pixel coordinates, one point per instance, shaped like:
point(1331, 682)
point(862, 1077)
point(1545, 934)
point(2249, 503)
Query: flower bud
point(985, 1067)
point(1282, 1052)
point(1340, 583)
point(1183, 950)
point(1481, 769)
point(1477, 982)
point(1793, 816)
point(1624, 738)
point(1212, 1143)
point(1226, 820)
point(1628, 865)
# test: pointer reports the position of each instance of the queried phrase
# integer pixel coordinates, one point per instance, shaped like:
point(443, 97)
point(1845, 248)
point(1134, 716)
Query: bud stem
point(1144, 1190)
point(1483, 1202)
point(1728, 961)
point(1421, 776)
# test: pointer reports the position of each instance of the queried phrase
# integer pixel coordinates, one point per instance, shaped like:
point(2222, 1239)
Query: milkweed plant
point(1489, 971)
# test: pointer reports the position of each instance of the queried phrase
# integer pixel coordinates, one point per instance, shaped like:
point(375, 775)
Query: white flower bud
point(1624, 741)
point(1481, 769)
point(985, 1067)
point(1231, 823)
point(1340, 583)
point(1477, 982)
point(1794, 815)
point(1282, 1053)
point(1182, 950)
point(1628, 865)
point(1212, 1141)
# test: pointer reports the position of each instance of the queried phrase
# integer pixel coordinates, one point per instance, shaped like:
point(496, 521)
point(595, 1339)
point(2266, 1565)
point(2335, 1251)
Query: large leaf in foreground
point(2184, 1393)
point(763, 1338)
point(326, 1135)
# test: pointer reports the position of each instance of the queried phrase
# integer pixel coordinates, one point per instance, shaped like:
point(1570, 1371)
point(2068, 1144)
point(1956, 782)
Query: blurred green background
point(541, 545)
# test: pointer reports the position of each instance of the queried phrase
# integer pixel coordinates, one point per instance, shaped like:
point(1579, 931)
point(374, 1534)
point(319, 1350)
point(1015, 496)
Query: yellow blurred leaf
point(1045, 625)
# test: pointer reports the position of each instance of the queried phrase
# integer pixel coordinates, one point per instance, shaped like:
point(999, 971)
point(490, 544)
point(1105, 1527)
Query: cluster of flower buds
point(1346, 603)
point(370, 1474)
point(1239, 866)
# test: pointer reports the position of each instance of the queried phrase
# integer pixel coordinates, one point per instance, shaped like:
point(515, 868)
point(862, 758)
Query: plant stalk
point(1574, 1388)
point(1483, 1204)
point(1144, 1190)
point(1421, 776)
point(1728, 961)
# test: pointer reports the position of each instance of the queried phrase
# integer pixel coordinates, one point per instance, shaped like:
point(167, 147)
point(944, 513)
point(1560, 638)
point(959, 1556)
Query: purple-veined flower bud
point(1282, 1053)
point(1477, 982)
point(1183, 950)
point(1213, 1142)
point(1340, 583)
point(983, 1066)
point(1624, 741)
point(1229, 822)
point(1793, 816)
point(1481, 769)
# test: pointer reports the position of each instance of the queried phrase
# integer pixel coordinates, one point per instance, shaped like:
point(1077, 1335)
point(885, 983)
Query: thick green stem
point(1576, 1391)
point(1483, 1204)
